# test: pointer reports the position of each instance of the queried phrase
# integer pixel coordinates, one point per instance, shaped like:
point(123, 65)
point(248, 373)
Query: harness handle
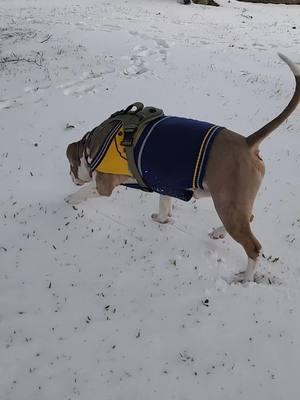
point(134, 108)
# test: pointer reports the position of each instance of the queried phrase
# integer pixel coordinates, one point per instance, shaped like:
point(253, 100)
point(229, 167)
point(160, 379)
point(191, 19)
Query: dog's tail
point(257, 137)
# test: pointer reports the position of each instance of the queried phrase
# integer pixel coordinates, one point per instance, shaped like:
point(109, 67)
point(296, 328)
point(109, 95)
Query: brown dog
point(233, 186)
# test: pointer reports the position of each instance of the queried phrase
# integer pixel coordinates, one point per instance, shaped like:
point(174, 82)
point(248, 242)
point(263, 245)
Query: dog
point(233, 175)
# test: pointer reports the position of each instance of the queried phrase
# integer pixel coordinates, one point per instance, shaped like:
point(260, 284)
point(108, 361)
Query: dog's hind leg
point(252, 248)
point(220, 232)
point(236, 221)
point(243, 235)
point(165, 210)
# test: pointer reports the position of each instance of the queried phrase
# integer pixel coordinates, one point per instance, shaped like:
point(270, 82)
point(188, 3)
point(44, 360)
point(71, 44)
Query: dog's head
point(79, 169)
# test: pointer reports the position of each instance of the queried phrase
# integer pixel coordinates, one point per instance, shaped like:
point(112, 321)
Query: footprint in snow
point(88, 83)
point(142, 56)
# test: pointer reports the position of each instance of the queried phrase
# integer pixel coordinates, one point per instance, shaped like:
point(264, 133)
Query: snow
point(97, 301)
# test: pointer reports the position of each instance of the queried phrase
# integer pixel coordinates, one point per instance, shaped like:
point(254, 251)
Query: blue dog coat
point(171, 155)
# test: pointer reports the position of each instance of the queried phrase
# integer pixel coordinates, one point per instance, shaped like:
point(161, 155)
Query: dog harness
point(167, 154)
point(115, 159)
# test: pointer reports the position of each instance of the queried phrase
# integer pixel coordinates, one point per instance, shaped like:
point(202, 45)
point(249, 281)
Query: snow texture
point(97, 301)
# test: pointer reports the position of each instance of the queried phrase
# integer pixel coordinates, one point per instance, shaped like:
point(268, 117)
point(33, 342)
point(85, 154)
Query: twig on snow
point(47, 38)
point(38, 60)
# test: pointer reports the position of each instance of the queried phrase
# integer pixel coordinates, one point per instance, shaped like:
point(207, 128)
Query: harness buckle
point(128, 137)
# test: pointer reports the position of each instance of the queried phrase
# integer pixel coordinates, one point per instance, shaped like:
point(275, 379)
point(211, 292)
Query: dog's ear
point(71, 152)
point(75, 151)
point(105, 183)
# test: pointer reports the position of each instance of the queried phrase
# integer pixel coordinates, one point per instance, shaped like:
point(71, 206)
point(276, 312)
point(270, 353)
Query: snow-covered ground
point(97, 301)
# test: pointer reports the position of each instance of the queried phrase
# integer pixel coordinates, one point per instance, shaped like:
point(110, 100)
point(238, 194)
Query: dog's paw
point(161, 220)
point(73, 199)
point(218, 233)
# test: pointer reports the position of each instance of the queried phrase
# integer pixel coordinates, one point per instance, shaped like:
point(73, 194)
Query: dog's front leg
point(165, 210)
point(86, 192)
